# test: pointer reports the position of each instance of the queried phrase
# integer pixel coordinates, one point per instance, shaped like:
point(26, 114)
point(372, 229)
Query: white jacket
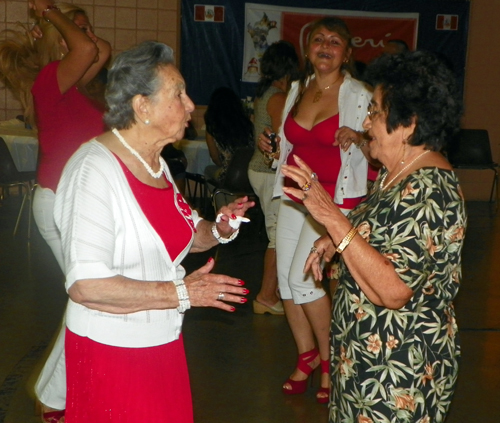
point(354, 98)
point(105, 233)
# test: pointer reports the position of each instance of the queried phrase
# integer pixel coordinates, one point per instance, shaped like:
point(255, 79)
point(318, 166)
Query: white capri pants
point(263, 185)
point(50, 387)
point(296, 232)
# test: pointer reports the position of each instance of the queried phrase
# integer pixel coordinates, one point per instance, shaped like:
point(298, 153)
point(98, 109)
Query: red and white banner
point(266, 24)
point(447, 22)
point(208, 13)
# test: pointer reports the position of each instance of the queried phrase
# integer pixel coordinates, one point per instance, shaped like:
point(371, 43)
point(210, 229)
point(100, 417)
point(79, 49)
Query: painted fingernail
point(243, 300)
point(240, 204)
point(233, 216)
point(211, 259)
point(245, 291)
point(233, 309)
point(240, 282)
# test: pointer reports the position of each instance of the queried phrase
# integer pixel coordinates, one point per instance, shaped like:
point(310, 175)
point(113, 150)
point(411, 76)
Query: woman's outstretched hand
point(229, 217)
point(313, 195)
point(206, 289)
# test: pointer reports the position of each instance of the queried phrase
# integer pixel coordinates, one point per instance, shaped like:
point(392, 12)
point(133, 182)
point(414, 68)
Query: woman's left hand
point(322, 249)
point(232, 214)
point(345, 136)
point(313, 195)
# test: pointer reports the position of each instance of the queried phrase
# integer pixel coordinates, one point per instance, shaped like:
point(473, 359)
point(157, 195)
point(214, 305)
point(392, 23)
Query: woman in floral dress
point(395, 345)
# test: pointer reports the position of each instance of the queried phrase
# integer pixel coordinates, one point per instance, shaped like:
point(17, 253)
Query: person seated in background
point(228, 128)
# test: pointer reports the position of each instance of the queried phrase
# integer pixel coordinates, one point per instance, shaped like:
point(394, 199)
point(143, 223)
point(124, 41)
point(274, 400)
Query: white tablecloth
point(23, 146)
point(197, 155)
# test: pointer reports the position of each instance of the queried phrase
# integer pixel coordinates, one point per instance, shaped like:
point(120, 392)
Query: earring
point(404, 151)
point(146, 121)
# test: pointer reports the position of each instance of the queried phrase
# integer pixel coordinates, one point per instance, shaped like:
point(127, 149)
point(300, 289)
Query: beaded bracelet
point(48, 9)
point(184, 303)
point(346, 241)
point(222, 240)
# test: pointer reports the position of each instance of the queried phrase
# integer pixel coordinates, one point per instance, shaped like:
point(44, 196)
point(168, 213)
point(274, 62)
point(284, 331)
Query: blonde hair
point(22, 58)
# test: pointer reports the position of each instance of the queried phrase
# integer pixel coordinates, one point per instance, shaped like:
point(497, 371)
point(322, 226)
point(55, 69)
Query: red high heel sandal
point(300, 386)
point(325, 368)
point(56, 416)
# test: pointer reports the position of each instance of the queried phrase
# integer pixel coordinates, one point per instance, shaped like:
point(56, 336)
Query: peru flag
point(208, 13)
point(447, 22)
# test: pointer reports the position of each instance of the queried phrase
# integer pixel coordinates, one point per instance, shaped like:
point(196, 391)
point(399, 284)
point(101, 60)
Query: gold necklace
point(318, 94)
point(383, 187)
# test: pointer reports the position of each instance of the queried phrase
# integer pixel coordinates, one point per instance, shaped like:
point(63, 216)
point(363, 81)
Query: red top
point(315, 147)
point(65, 121)
point(159, 207)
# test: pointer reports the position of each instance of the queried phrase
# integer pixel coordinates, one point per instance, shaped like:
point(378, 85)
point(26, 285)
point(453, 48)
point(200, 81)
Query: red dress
point(129, 385)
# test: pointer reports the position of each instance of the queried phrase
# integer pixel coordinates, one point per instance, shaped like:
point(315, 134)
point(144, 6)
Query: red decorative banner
point(266, 24)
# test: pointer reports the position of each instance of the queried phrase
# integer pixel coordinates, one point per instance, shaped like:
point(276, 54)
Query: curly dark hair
point(417, 86)
point(227, 122)
point(279, 60)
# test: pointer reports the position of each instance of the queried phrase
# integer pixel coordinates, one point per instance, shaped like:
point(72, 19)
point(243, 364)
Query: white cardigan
point(354, 99)
point(105, 233)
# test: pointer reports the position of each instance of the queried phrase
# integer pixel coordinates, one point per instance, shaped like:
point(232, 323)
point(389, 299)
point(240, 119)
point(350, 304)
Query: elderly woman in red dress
point(125, 229)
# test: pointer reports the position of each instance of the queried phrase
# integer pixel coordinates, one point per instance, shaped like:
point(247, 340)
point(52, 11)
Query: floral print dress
point(401, 365)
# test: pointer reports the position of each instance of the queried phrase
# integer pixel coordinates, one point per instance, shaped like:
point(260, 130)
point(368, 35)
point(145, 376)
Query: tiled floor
point(238, 361)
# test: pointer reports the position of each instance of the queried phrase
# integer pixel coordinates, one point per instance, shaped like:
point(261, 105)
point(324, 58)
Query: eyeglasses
point(372, 112)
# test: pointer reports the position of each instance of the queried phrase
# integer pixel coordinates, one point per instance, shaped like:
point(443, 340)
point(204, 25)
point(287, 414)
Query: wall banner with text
point(266, 24)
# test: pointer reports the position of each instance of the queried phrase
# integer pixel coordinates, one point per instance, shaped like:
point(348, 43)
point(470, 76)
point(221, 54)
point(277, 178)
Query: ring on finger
point(304, 198)
point(313, 250)
point(220, 296)
point(314, 176)
point(306, 186)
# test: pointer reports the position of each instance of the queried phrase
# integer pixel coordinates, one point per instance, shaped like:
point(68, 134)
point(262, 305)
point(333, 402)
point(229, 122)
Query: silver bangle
point(182, 294)
point(222, 240)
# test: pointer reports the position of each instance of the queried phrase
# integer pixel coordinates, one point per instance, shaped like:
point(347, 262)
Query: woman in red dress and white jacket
point(322, 123)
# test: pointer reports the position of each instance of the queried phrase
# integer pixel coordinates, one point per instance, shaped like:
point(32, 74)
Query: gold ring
point(306, 186)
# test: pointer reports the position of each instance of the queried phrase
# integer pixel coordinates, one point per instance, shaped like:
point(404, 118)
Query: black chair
point(471, 150)
point(236, 183)
point(11, 177)
point(197, 191)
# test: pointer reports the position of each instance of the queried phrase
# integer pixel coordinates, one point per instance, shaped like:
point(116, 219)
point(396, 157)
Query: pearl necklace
point(154, 174)
point(318, 94)
point(383, 187)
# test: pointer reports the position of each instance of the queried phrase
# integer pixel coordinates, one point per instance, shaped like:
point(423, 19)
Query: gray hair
point(134, 72)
